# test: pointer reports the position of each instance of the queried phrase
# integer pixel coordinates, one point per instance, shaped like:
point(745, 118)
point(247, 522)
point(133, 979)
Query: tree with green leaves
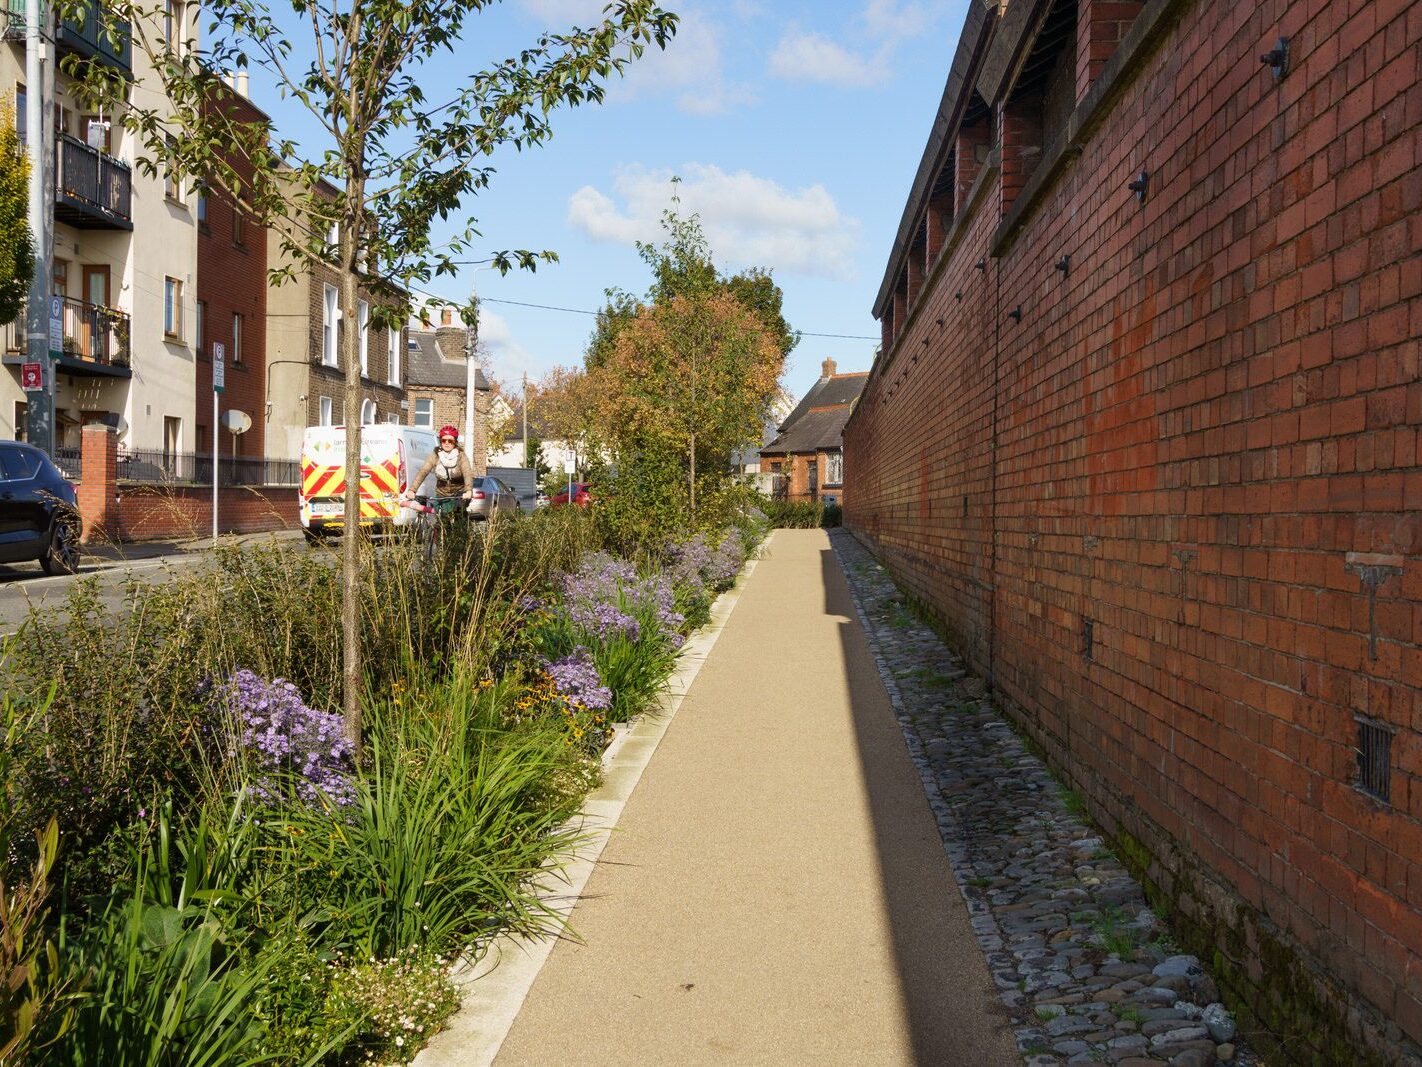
point(17, 248)
point(691, 371)
point(403, 146)
point(682, 266)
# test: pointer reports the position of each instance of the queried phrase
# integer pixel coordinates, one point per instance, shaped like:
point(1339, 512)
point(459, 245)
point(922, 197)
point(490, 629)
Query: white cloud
point(813, 57)
point(749, 220)
point(894, 21)
point(508, 360)
point(689, 70)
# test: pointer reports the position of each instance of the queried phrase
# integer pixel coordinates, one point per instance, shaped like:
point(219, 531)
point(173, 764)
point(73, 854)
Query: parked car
point(39, 511)
point(541, 500)
point(490, 495)
point(582, 495)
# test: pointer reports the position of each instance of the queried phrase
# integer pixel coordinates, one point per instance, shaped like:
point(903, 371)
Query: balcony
point(96, 341)
point(84, 35)
point(93, 190)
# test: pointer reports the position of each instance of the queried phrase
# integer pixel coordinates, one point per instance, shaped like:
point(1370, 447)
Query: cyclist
point(454, 476)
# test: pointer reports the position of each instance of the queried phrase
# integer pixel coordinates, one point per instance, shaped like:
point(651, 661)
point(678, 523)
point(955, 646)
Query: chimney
point(827, 369)
point(451, 340)
point(243, 83)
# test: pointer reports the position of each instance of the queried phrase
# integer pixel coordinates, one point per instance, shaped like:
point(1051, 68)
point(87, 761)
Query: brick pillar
point(915, 269)
point(1020, 124)
point(1100, 26)
point(900, 304)
point(886, 328)
point(98, 459)
point(940, 217)
point(968, 157)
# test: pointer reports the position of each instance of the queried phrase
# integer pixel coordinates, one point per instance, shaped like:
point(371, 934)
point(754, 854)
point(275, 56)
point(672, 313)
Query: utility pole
point(471, 386)
point(39, 145)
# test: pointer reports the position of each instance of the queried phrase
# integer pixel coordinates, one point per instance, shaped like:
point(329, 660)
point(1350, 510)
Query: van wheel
point(62, 555)
point(313, 537)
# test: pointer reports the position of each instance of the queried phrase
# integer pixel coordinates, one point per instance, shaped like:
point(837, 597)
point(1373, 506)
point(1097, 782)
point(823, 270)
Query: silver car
point(491, 495)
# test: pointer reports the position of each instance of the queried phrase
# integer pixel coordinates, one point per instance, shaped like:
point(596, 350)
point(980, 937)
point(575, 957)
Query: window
point(202, 205)
point(20, 113)
point(173, 24)
point(172, 185)
point(172, 308)
point(327, 417)
point(834, 468)
point(364, 318)
point(368, 413)
point(61, 277)
point(333, 238)
point(392, 370)
point(393, 419)
point(424, 412)
point(239, 227)
point(200, 326)
point(331, 314)
point(22, 420)
point(236, 338)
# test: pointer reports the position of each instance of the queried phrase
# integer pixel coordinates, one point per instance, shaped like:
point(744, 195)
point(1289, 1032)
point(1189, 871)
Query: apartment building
point(305, 368)
point(125, 253)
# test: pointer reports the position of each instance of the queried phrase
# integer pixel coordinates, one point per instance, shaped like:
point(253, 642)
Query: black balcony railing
point(91, 334)
point(85, 34)
point(195, 468)
point(93, 190)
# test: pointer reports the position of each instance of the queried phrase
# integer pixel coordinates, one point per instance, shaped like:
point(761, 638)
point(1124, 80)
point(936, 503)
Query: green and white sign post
point(219, 353)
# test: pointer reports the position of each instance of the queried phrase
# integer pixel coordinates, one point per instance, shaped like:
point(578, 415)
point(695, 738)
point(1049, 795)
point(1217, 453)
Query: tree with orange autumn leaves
point(691, 371)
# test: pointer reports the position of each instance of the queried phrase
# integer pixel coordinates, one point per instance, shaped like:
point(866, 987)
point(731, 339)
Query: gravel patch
point(1087, 971)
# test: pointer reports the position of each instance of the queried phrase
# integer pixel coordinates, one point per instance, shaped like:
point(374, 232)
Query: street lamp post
point(471, 379)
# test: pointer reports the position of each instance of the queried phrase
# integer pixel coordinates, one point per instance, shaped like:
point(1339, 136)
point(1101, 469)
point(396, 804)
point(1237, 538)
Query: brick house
point(438, 379)
point(305, 374)
point(806, 458)
point(231, 303)
point(1143, 435)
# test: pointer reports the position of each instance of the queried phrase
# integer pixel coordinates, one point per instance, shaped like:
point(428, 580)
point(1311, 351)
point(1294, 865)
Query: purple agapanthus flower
point(295, 748)
point(577, 680)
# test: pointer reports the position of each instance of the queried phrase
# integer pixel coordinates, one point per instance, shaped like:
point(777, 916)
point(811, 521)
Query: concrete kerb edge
point(494, 987)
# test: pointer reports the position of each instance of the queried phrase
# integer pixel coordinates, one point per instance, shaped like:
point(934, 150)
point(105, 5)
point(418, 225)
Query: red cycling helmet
point(449, 431)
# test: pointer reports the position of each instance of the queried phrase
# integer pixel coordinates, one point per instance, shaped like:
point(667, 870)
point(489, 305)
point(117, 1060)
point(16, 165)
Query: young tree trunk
point(691, 479)
point(351, 676)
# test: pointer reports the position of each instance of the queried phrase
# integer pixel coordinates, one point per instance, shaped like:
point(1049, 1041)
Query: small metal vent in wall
point(1088, 639)
point(1374, 759)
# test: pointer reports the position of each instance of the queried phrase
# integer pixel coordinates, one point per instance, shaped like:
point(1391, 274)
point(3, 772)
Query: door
point(813, 466)
point(94, 332)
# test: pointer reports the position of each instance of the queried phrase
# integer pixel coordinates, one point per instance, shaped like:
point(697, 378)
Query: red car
point(582, 495)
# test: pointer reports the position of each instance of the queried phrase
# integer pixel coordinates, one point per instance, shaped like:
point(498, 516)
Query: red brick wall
point(126, 511)
point(1182, 442)
point(232, 280)
point(160, 513)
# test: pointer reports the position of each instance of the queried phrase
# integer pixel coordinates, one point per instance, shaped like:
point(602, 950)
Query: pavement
point(776, 890)
point(24, 586)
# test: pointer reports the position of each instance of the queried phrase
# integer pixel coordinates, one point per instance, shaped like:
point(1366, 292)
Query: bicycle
point(440, 509)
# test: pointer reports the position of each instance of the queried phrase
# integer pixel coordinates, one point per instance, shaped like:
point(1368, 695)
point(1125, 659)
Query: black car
point(39, 511)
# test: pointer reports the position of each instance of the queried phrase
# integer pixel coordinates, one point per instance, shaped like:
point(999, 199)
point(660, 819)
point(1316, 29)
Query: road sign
point(570, 464)
point(56, 325)
point(219, 376)
point(32, 377)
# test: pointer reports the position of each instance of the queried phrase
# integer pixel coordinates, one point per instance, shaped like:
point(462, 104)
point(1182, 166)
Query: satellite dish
point(236, 422)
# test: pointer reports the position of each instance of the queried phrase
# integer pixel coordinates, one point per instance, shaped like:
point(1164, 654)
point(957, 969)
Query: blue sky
point(795, 127)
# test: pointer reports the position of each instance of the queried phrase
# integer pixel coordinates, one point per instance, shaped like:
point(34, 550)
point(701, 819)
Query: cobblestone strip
point(1085, 968)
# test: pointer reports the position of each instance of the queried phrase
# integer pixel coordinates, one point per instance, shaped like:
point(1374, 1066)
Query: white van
point(389, 457)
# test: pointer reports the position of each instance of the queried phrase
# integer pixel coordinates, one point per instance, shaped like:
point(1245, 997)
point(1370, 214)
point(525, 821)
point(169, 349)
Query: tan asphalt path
point(776, 891)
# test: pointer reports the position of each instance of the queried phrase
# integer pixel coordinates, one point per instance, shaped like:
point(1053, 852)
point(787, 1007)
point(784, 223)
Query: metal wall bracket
point(1373, 570)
